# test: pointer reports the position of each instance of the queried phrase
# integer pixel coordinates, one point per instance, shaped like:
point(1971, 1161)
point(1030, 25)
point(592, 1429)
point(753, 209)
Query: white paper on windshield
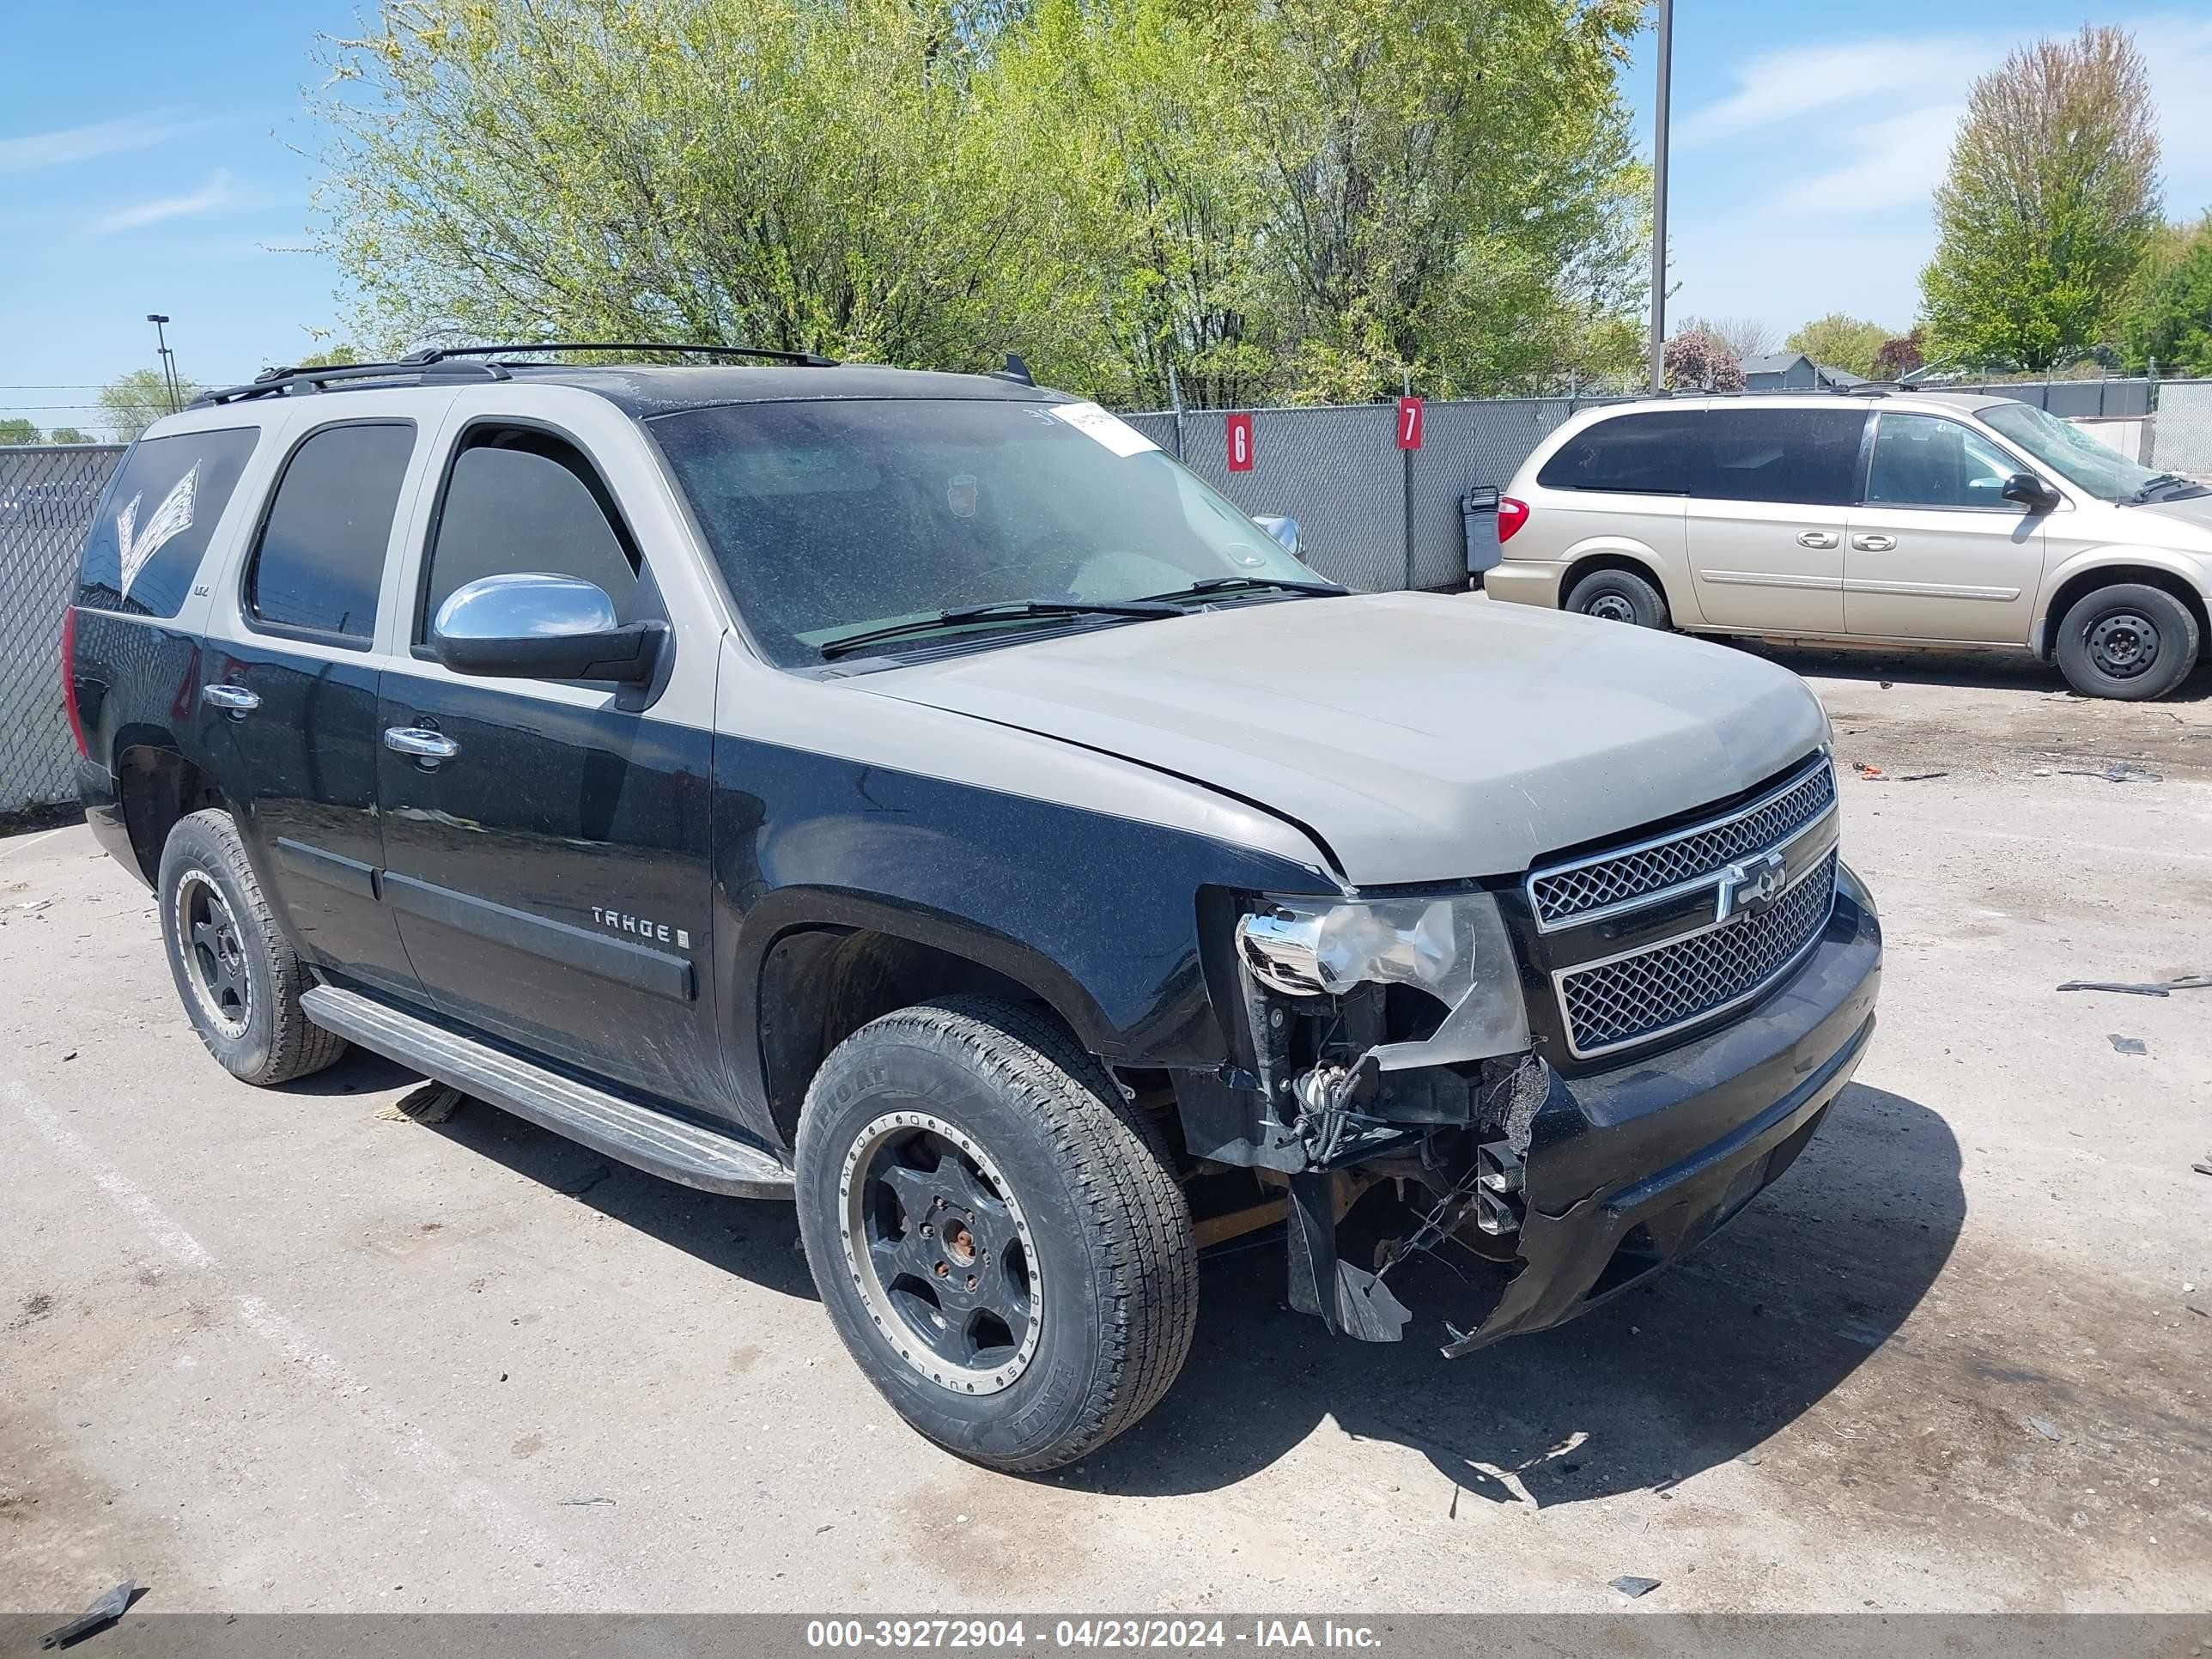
point(1117, 434)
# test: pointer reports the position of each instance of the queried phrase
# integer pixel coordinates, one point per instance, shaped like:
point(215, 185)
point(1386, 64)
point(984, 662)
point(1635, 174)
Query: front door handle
point(1816, 539)
point(235, 700)
point(421, 742)
point(1874, 543)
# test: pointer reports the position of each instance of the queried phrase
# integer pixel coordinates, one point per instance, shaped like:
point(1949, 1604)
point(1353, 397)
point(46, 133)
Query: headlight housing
point(1454, 946)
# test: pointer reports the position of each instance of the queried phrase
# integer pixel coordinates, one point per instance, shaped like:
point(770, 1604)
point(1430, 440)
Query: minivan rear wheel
point(1619, 596)
point(2130, 641)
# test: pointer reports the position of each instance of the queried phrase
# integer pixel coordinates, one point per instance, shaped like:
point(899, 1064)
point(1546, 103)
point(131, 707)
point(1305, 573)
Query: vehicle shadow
point(1697, 1366)
point(1992, 669)
point(754, 1239)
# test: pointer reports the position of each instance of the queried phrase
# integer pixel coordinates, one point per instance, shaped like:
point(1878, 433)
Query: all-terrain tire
point(1619, 596)
point(1105, 1225)
point(2130, 641)
point(240, 979)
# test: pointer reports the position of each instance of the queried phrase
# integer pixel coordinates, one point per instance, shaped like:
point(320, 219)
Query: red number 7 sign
point(1409, 422)
point(1240, 443)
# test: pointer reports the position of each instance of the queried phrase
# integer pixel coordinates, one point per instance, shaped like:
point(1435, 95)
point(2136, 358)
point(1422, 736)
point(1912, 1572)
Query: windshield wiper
point(1004, 610)
point(2143, 490)
point(1210, 585)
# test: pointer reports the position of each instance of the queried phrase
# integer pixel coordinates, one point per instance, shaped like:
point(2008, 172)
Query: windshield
point(835, 519)
point(2070, 452)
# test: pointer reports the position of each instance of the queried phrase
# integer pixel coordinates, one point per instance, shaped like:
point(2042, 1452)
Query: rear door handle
point(1816, 539)
point(425, 745)
point(235, 700)
point(1874, 543)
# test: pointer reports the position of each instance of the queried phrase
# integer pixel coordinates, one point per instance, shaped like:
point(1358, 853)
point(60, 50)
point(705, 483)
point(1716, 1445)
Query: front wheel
point(1619, 596)
point(998, 1236)
point(2129, 641)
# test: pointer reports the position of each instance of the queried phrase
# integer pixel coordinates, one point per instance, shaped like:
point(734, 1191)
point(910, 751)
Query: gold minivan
point(1914, 518)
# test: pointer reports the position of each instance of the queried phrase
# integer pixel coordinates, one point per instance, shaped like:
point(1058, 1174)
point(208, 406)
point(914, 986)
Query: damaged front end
point(1389, 1041)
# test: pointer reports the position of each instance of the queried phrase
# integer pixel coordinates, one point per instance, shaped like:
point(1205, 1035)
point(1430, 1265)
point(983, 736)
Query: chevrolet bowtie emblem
point(1750, 888)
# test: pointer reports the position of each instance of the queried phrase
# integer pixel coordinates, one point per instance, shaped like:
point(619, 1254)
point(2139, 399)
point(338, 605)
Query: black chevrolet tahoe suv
point(918, 796)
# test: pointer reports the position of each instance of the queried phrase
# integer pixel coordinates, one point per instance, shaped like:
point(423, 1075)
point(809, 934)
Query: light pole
point(1659, 201)
point(168, 362)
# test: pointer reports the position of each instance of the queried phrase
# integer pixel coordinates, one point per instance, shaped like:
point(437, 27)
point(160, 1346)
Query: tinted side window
point(1661, 452)
point(1924, 460)
point(321, 559)
point(152, 523)
point(1810, 457)
point(518, 500)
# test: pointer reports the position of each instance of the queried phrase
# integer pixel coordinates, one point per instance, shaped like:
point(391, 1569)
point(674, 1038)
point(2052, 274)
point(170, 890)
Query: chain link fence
point(47, 498)
point(1370, 515)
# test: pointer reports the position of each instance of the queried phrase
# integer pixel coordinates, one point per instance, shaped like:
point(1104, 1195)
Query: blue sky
point(159, 157)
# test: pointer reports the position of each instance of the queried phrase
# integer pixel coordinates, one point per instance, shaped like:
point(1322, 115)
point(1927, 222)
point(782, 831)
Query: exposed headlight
point(1455, 947)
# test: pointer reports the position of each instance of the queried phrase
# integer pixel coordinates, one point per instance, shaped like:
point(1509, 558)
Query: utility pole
point(1659, 200)
point(168, 360)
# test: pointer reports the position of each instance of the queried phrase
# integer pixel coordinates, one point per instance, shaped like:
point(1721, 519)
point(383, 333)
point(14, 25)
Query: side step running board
point(637, 1135)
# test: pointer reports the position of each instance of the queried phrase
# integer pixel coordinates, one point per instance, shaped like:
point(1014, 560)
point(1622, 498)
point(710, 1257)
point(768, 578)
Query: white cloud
point(59, 148)
point(1788, 86)
point(1900, 161)
point(216, 193)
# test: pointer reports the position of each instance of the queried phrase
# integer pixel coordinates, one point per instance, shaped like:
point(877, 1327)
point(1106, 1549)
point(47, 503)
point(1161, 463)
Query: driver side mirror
point(539, 627)
point(2029, 491)
point(1284, 530)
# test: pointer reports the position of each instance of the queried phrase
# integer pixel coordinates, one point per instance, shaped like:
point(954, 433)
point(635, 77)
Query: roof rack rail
point(1864, 389)
point(469, 362)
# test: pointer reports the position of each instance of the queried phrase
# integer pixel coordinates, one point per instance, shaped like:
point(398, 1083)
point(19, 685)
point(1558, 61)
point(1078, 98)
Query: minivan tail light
point(68, 681)
point(1511, 515)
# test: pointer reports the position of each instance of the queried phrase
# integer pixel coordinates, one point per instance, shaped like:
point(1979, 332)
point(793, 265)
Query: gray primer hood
point(1423, 739)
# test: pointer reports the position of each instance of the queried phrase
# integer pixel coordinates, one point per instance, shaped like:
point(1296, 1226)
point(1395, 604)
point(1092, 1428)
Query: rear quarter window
point(1657, 453)
point(151, 528)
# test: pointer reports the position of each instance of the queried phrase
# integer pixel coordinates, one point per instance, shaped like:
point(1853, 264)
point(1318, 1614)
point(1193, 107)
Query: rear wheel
point(2130, 641)
point(998, 1236)
point(1619, 596)
point(239, 978)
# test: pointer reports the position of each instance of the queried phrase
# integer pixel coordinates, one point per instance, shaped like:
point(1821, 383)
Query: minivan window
point(2072, 453)
point(833, 519)
point(1806, 457)
point(520, 500)
point(154, 518)
point(321, 559)
point(1656, 453)
point(1924, 460)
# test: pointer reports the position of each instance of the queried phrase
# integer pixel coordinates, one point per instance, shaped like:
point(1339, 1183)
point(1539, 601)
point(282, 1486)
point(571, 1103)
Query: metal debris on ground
point(434, 1102)
point(1922, 777)
point(1630, 1586)
point(2118, 772)
point(2048, 1430)
point(105, 1611)
point(585, 1502)
point(2126, 1045)
point(1868, 769)
point(2156, 988)
point(2204, 1165)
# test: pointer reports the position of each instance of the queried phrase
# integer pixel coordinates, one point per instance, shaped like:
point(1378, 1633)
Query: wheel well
point(1591, 563)
point(2106, 575)
point(157, 787)
point(819, 985)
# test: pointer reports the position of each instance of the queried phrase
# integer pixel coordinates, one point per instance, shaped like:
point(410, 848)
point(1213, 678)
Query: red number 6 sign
point(1240, 443)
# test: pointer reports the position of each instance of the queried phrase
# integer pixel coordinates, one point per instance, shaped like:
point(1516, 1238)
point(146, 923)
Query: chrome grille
point(1577, 892)
point(1616, 1003)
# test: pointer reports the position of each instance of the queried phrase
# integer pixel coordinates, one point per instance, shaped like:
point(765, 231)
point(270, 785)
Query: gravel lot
point(271, 1351)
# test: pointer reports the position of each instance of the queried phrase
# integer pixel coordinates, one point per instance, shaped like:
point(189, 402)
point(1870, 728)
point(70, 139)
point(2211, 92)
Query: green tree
point(17, 430)
point(1442, 187)
point(68, 435)
point(2051, 199)
point(2168, 317)
point(135, 401)
point(1840, 342)
point(336, 356)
